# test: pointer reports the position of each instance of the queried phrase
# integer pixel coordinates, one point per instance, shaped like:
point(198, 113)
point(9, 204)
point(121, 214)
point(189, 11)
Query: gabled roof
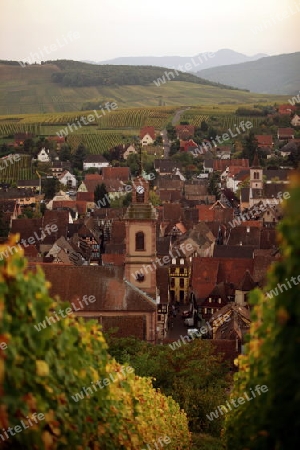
point(264, 139)
point(247, 283)
point(85, 196)
point(169, 196)
point(195, 189)
point(95, 159)
point(245, 236)
point(115, 173)
point(147, 130)
point(167, 165)
point(169, 184)
point(237, 325)
point(281, 174)
point(118, 232)
point(106, 284)
point(232, 270)
point(171, 212)
point(285, 132)
point(221, 164)
point(204, 276)
point(28, 183)
point(185, 131)
point(234, 251)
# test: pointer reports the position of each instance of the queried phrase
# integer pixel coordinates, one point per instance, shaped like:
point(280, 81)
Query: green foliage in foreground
point(191, 374)
point(272, 420)
point(42, 371)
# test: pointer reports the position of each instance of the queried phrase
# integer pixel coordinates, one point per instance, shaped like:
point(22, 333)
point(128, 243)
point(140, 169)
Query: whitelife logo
point(51, 320)
point(86, 119)
point(241, 400)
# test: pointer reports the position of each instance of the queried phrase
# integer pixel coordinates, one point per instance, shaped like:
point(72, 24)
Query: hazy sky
point(110, 28)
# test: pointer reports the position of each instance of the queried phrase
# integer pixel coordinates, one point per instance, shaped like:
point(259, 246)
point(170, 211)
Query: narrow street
point(164, 134)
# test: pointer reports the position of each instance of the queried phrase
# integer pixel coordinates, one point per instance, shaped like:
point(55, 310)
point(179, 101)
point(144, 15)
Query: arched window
point(140, 241)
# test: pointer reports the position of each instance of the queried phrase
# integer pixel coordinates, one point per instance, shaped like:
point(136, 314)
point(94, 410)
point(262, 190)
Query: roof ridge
point(135, 288)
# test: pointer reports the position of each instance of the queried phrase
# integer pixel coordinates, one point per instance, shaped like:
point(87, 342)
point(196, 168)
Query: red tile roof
point(185, 131)
point(105, 283)
point(232, 270)
point(264, 140)
point(204, 276)
point(147, 130)
point(286, 109)
point(285, 132)
point(115, 173)
point(85, 196)
point(64, 204)
point(113, 259)
point(221, 164)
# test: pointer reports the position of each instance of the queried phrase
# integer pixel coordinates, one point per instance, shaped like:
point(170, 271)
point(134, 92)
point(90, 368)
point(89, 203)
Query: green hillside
point(271, 75)
point(32, 90)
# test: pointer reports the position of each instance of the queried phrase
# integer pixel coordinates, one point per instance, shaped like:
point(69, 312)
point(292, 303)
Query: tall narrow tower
point(140, 223)
point(256, 174)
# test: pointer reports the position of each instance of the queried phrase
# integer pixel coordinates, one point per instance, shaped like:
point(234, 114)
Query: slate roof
point(166, 165)
point(95, 159)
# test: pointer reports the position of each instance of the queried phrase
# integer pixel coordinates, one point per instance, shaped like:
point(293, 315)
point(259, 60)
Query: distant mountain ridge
point(271, 75)
point(203, 60)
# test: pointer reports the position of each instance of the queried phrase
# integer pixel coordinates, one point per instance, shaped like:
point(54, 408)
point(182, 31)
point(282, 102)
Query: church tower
point(140, 222)
point(256, 182)
point(256, 174)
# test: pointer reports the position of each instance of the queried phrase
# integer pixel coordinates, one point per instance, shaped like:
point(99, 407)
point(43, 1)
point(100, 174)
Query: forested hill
point(78, 74)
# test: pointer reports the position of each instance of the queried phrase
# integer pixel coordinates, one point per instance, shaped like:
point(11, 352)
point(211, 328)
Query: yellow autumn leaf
point(42, 368)
point(48, 440)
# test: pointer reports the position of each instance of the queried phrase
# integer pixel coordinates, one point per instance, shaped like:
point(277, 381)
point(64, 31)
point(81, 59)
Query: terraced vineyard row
point(96, 143)
point(231, 121)
point(137, 118)
point(10, 128)
point(19, 170)
point(120, 118)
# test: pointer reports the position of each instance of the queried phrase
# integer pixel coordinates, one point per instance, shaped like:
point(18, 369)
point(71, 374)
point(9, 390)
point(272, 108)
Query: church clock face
point(140, 191)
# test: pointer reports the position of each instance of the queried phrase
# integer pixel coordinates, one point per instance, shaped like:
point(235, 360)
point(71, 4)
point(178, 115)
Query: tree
point(271, 357)
point(133, 162)
point(213, 184)
point(50, 186)
point(65, 153)
point(249, 147)
point(203, 126)
point(171, 132)
point(175, 146)
point(29, 146)
point(191, 374)
point(101, 196)
point(79, 156)
point(212, 133)
point(154, 198)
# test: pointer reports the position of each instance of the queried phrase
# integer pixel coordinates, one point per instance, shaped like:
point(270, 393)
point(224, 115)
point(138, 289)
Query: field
point(30, 90)
point(113, 128)
point(19, 170)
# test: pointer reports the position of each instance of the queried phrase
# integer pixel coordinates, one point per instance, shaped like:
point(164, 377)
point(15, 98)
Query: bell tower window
point(140, 241)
